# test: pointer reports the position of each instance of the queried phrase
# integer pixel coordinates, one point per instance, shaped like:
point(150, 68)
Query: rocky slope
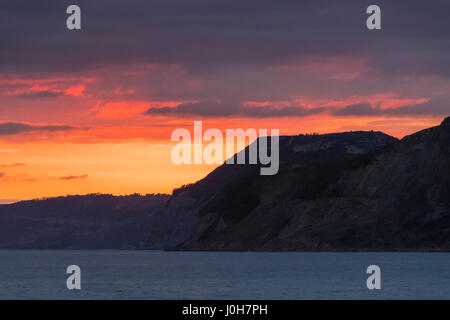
point(350, 191)
point(343, 191)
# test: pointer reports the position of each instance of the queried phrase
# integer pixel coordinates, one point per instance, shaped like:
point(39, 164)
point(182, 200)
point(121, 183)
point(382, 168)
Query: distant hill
point(79, 222)
point(343, 191)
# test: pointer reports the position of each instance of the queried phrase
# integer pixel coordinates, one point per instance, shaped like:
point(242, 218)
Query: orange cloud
point(19, 164)
point(44, 87)
point(76, 91)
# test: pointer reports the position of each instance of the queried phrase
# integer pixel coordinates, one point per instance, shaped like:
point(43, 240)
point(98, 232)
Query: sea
point(150, 275)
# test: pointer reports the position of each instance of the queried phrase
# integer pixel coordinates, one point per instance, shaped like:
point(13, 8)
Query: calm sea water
point(214, 275)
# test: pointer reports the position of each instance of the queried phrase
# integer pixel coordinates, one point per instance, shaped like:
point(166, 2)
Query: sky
point(92, 110)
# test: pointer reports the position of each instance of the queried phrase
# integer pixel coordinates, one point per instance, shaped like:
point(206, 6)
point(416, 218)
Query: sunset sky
point(93, 110)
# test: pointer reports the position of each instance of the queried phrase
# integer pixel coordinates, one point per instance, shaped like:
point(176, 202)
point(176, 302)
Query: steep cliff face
point(349, 191)
point(179, 219)
point(409, 191)
point(344, 191)
point(253, 212)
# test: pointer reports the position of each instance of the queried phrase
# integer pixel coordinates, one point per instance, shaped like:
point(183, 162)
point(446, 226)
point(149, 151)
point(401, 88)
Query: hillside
point(79, 222)
point(342, 191)
point(350, 191)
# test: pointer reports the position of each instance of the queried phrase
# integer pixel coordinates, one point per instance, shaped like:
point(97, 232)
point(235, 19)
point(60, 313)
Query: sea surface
point(222, 275)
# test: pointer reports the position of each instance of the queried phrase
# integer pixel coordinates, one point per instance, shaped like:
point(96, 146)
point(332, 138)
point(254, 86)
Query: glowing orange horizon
point(125, 160)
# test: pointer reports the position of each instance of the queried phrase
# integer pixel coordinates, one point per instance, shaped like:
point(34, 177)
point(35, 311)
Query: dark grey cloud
point(203, 35)
point(40, 94)
point(10, 128)
point(358, 109)
point(202, 108)
point(232, 50)
point(2, 174)
point(233, 109)
point(438, 106)
point(82, 176)
point(273, 112)
point(434, 107)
